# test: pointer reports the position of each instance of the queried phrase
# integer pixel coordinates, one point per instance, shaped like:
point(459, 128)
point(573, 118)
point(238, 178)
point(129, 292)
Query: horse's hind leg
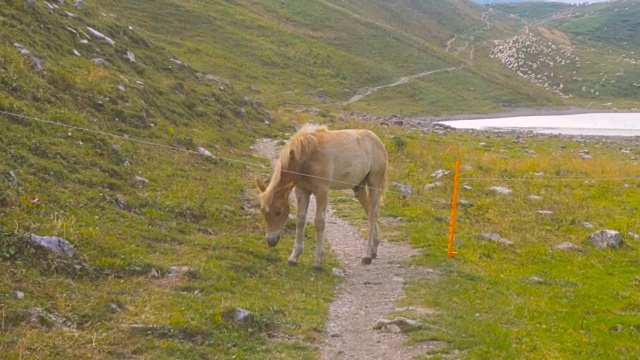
point(360, 192)
point(302, 199)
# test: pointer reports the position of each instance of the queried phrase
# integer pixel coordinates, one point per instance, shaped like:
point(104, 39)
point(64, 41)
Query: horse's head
point(275, 209)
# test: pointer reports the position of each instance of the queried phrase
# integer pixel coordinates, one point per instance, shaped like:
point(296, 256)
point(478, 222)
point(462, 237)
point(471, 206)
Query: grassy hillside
point(319, 53)
point(105, 112)
point(532, 11)
point(583, 53)
point(134, 210)
point(615, 24)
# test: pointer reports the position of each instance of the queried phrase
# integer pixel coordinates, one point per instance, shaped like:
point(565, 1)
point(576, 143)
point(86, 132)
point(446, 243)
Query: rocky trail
point(368, 294)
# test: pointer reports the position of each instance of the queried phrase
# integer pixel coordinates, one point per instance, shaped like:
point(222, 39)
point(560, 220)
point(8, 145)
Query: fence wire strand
point(255, 165)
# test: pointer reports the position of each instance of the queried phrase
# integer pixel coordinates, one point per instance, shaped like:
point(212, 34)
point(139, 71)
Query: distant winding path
point(403, 80)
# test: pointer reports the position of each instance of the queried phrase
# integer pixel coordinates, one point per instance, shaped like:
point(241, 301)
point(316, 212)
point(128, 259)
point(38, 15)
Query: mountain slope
point(321, 52)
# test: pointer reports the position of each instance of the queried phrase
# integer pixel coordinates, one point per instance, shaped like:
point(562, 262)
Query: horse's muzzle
point(273, 238)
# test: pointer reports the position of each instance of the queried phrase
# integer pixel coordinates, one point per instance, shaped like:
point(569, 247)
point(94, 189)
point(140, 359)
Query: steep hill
point(324, 53)
point(585, 53)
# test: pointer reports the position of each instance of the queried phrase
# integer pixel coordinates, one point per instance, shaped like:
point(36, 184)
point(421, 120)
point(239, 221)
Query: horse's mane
point(301, 143)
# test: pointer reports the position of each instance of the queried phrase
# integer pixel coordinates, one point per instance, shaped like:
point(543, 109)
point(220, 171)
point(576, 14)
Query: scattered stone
point(467, 187)
point(500, 190)
point(30, 3)
point(121, 203)
point(131, 56)
point(497, 238)
point(337, 272)
point(588, 225)
point(440, 173)
point(140, 179)
point(114, 309)
point(466, 168)
point(76, 53)
point(406, 190)
point(535, 279)
point(100, 35)
point(80, 5)
point(401, 322)
point(121, 88)
point(586, 157)
point(603, 239)
point(567, 246)
point(177, 61)
point(39, 317)
point(178, 270)
point(56, 244)
point(538, 174)
point(634, 235)
point(36, 62)
point(240, 315)
point(70, 15)
point(19, 295)
point(100, 61)
point(433, 185)
point(205, 152)
point(545, 212)
point(155, 274)
point(535, 197)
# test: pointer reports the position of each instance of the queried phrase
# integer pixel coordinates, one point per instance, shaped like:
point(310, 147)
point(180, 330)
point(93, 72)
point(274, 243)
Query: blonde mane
point(301, 143)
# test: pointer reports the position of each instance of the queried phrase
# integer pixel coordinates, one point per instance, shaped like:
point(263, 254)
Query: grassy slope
point(487, 304)
point(532, 11)
point(321, 53)
point(194, 211)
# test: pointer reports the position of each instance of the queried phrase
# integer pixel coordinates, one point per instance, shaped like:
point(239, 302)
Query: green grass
point(487, 305)
point(200, 212)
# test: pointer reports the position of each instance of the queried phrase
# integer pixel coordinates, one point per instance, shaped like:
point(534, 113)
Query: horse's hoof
point(317, 267)
point(366, 260)
point(292, 263)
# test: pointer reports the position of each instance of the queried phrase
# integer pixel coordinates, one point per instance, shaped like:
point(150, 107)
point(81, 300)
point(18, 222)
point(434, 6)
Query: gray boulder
point(606, 239)
point(53, 243)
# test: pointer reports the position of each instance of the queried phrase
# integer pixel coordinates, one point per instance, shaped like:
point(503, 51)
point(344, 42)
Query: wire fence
point(406, 191)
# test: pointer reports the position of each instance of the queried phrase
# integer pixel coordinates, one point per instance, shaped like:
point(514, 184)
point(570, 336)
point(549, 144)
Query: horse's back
point(350, 156)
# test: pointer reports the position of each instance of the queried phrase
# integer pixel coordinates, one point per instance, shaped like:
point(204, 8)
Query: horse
point(314, 161)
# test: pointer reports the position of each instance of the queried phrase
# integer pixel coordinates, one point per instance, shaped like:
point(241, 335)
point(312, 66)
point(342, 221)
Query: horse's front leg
point(319, 222)
point(302, 199)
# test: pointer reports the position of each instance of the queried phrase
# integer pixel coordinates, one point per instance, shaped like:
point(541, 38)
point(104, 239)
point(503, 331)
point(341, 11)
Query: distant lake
point(597, 124)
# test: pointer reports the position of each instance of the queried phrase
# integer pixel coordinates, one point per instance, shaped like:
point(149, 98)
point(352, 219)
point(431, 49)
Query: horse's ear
point(261, 185)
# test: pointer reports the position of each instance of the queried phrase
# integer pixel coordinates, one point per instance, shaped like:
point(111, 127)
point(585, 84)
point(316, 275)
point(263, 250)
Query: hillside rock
point(95, 33)
point(40, 317)
point(497, 238)
point(606, 239)
point(53, 243)
point(80, 5)
point(567, 246)
point(36, 62)
point(500, 190)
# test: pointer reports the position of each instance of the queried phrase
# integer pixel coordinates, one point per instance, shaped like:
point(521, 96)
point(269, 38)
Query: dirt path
point(403, 80)
point(368, 293)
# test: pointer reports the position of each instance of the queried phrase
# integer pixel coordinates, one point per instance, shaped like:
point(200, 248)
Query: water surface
point(598, 124)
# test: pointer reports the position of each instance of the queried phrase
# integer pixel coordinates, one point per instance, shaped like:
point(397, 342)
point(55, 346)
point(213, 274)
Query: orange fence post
point(454, 210)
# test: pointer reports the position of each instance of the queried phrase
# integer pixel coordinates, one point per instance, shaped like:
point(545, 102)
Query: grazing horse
point(314, 161)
